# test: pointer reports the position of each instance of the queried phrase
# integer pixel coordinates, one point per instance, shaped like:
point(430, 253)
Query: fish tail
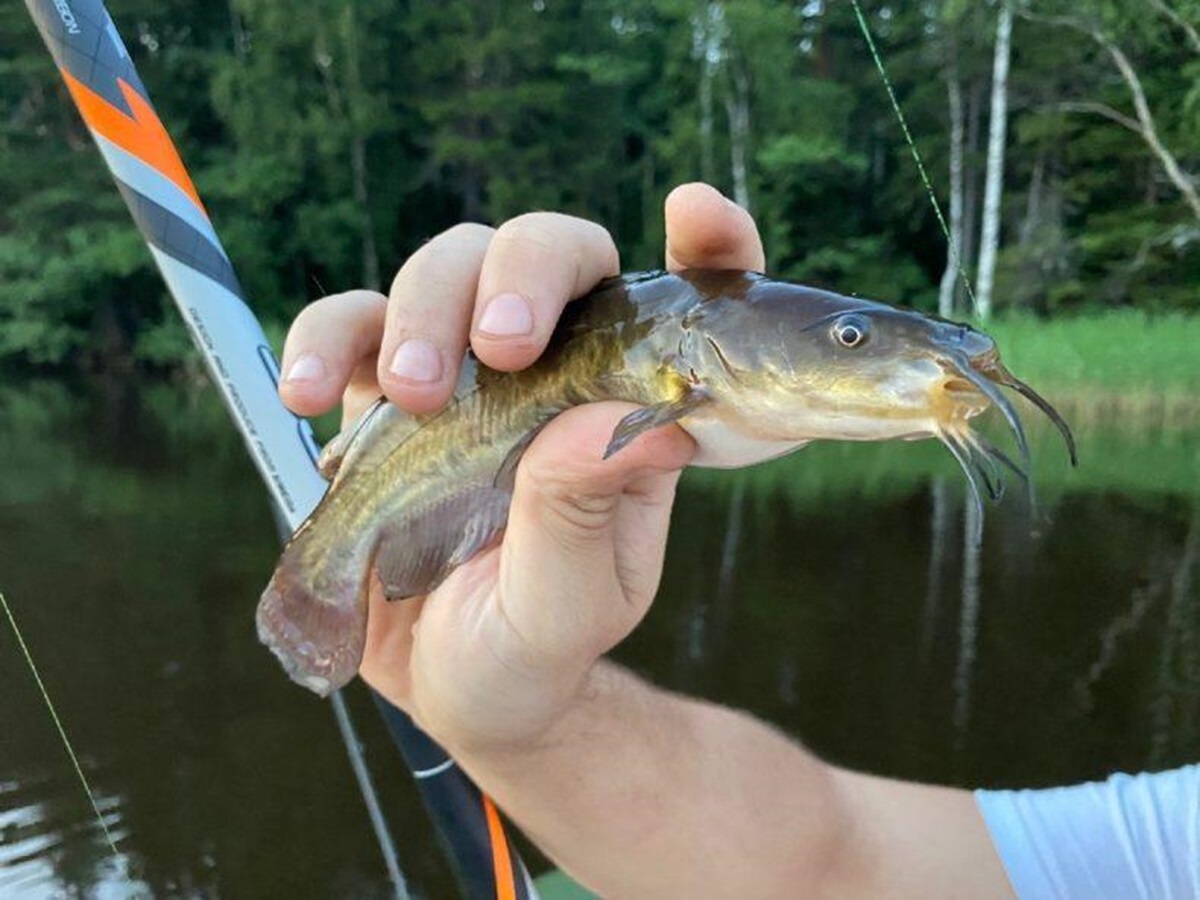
point(319, 638)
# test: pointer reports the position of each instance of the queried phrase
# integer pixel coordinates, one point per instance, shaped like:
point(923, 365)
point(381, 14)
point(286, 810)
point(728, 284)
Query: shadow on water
point(834, 593)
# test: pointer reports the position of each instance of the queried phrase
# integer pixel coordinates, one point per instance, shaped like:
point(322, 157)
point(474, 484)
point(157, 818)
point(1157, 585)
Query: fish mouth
point(969, 381)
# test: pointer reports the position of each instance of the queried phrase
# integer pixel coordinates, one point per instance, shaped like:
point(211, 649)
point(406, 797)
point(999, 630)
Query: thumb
point(583, 552)
point(705, 230)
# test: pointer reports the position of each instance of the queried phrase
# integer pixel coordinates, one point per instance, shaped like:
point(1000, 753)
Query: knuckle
point(306, 320)
point(578, 520)
point(442, 254)
point(531, 233)
point(468, 232)
point(572, 252)
point(575, 507)
point(318, 316)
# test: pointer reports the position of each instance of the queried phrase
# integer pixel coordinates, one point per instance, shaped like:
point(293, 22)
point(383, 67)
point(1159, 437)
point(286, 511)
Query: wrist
point(513, 716)
point(614, 734)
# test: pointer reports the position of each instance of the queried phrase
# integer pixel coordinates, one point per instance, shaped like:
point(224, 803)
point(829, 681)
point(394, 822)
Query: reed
point(1109, 366)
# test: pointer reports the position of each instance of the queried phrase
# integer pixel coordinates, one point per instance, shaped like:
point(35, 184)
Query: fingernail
point(507, 315)
point(307, 367)
point(417, 360)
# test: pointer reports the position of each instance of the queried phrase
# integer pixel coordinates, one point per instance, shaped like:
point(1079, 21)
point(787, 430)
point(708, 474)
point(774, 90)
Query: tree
point(989, 239)
point(954, 262)
point(1143, 123)
point(332, 139)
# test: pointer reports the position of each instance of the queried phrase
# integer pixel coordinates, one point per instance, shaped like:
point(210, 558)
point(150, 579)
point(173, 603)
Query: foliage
point(331, 139)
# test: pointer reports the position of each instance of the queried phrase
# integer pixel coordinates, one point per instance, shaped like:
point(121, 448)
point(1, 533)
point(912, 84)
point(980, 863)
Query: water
point(832, 594)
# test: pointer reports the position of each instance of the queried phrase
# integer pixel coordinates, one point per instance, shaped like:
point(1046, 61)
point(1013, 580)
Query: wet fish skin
point(752, 368)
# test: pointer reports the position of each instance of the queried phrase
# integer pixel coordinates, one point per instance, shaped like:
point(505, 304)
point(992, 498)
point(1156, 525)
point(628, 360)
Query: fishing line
point(956, 259)
point(62, 732)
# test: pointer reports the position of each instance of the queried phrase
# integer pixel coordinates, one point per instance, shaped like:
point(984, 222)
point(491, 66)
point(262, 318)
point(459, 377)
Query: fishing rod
point(149, 173)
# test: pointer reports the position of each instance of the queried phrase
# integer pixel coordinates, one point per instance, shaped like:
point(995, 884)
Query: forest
point(329, 139)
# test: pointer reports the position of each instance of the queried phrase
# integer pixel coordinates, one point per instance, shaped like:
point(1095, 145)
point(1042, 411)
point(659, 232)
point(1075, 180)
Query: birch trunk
point(1144, 125)
point(954, 261)
point(707, 166)
point(706, 38)
point(1181, 179)
point(737, 107)
point(970, 229)
point(989, 238)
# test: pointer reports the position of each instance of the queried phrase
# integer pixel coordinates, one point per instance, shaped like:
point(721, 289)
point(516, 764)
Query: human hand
point(496, 653)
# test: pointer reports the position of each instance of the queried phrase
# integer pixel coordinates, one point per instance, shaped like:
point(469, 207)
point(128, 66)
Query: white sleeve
point(1131, 837)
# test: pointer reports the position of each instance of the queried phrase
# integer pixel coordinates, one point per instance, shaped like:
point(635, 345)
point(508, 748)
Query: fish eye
point(850, 331)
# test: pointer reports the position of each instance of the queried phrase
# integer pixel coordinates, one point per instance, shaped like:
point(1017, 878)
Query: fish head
point(816, 365)
point(791, 364)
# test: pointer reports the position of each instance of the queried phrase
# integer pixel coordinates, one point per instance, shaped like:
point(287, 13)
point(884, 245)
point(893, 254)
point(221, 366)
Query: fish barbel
point(750, 367)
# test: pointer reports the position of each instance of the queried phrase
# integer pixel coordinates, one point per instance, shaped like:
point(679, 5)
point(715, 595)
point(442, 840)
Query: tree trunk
point(706, 37)
point(345, 98)
point(370, 251)
point(970, 231)
point(737, 107)
point(954, 261)
point(358, 150)
point(238, 31)
point(989, 238)
point(472, 177)
point(1144, 126)
point(651, 202)
point(1182, 180)
point(1033, 201)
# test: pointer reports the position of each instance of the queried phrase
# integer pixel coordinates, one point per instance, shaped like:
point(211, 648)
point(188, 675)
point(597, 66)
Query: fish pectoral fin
point(506, 475)
point(417, 555)
point(655, 416)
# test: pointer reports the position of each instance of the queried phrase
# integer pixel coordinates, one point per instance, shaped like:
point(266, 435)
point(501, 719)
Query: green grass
point(1121, 361)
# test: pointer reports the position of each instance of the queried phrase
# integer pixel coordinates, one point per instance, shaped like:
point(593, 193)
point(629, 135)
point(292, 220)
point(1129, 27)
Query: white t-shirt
point(1131, 837)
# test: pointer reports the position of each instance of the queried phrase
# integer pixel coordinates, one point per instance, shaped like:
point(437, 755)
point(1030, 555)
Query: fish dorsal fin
point(416, 555)
point(332, 454)
point(355, 445)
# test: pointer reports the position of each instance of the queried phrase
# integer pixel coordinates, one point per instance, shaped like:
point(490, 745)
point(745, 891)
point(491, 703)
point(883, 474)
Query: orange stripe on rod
point(143, 135)
point(501, 861)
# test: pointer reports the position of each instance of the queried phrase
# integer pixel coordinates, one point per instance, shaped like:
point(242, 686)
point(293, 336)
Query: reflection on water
point(835, 593)
point(968, 621)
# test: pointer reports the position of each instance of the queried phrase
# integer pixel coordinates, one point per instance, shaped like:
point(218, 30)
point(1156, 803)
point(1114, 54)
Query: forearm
point(641, 793)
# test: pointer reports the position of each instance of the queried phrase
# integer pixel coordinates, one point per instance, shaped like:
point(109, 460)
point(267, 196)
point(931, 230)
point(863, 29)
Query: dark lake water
point(829, 593)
